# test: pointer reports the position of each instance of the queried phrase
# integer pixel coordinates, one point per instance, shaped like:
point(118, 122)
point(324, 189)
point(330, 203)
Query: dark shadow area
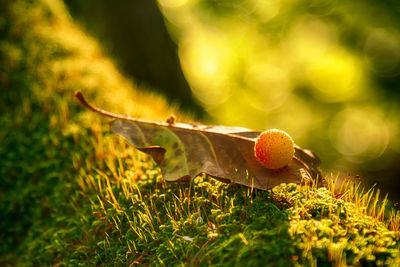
point(134, 34)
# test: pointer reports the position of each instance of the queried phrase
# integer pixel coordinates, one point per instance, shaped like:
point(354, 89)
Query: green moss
point(73, 194)
point(330, 230)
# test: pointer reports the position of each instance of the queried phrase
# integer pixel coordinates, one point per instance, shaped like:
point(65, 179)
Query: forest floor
point(74, 194)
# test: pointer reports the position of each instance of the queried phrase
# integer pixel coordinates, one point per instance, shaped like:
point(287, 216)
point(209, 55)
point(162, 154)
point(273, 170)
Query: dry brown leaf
point(184, 151)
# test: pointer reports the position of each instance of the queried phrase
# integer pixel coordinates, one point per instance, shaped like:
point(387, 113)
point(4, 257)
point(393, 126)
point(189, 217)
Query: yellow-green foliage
point(46, 138)
point(341, 223)
point(73, 194)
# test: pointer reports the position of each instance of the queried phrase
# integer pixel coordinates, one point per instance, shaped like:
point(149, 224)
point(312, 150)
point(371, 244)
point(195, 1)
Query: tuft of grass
point(73, 194)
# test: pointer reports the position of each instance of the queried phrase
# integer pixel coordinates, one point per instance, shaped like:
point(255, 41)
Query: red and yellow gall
point(274, 149)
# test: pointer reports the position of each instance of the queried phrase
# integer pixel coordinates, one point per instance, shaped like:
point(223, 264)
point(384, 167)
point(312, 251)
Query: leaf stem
point(183, 126)
point(103, 112)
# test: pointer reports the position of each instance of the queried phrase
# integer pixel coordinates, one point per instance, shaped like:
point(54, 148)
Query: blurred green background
point(325, 71)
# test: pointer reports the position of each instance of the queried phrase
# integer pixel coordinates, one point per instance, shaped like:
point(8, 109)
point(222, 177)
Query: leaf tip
point(78, 94)
point(86, 104)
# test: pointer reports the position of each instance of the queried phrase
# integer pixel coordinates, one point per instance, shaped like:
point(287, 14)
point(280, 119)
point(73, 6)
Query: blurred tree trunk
point(134, 34)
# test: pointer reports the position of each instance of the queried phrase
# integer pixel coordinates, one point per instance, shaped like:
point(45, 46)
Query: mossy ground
point(73, 194)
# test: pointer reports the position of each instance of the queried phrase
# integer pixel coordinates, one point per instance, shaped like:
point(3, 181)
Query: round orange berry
point(274, 149)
